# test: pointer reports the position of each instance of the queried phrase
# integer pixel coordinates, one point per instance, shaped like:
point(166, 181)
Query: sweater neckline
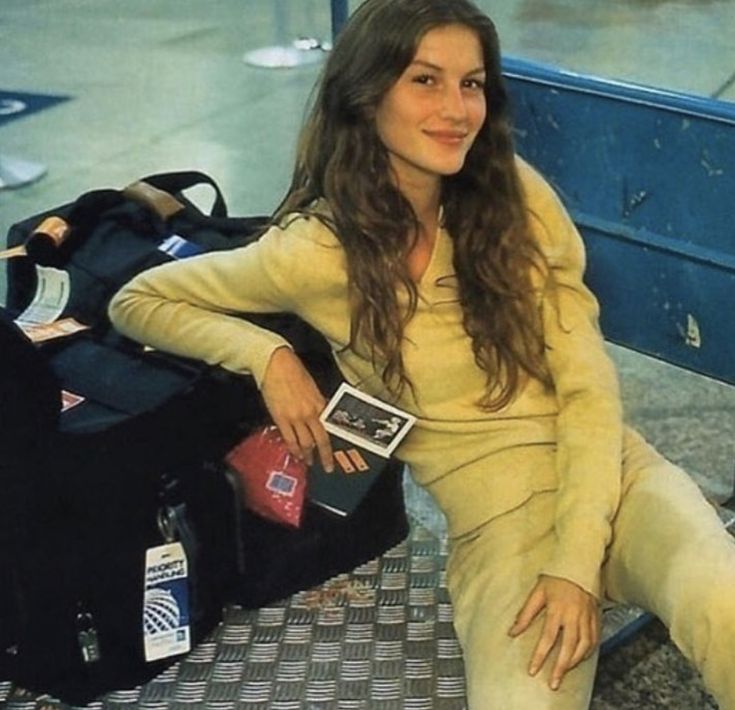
point(438, 283)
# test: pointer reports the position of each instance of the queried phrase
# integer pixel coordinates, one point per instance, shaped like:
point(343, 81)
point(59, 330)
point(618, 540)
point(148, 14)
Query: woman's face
point(430, 117)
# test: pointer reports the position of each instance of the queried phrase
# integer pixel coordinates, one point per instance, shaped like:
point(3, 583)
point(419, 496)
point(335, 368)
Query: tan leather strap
point(13, 251)
point(160, 202)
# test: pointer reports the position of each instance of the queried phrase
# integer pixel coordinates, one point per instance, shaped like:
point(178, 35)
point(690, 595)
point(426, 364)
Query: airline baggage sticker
point(166, 623)
point(53, 289)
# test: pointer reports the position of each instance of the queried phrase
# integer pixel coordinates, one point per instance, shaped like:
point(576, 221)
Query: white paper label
point(52, 295)
point(166, 627)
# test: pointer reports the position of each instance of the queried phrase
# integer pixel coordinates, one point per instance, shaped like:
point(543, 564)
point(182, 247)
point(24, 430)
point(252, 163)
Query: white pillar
point(284, 55)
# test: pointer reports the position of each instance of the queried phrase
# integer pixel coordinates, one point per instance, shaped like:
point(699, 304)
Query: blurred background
point(161, 85)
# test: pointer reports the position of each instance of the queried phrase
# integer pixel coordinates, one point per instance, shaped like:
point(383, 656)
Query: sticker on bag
point(179, 248)
point(166, 627)
point(53, 290)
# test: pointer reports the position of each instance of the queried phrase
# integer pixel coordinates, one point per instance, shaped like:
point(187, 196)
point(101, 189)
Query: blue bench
point(649, 178)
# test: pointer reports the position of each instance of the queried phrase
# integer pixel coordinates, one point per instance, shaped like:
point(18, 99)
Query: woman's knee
point(501, 680)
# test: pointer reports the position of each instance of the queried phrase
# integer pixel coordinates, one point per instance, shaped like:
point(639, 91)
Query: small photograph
point(365, 421)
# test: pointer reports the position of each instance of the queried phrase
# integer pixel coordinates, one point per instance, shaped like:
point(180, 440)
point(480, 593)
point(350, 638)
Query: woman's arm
point(191, 308)
point(589, 426)
point(589, 446)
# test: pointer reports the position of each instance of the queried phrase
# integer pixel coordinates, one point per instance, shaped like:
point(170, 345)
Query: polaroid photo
point(366, 421)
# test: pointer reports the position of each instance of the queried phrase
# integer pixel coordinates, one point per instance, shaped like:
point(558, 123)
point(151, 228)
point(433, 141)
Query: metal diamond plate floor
point(379, 637)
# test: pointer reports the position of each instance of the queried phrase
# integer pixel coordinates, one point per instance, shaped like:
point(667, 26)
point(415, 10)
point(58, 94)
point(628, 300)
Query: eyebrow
point(436, 67)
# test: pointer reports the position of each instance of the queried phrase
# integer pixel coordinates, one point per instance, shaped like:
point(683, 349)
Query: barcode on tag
point(281, 483)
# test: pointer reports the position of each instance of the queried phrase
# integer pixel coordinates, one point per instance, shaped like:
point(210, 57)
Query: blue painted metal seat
point(649, 178)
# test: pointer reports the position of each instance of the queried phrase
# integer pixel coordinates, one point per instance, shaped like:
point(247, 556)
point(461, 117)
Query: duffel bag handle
point(173, 183)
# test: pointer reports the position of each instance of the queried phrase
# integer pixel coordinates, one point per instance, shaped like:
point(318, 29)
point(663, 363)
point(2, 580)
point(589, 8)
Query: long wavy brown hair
point(340, 158)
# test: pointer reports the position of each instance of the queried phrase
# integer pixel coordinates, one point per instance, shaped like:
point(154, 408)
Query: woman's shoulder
point(536, 189)
point(300, 236)
point(302, 247)
point(309, 227)
point(547, 215)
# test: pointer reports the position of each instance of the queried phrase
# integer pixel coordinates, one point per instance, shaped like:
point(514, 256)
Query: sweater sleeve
point(589, 426)
point(190, 307)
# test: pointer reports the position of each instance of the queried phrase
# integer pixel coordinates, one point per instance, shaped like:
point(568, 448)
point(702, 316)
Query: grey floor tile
point(688, 417)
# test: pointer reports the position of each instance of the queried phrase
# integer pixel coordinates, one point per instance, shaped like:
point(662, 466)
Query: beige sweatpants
point(669, 555)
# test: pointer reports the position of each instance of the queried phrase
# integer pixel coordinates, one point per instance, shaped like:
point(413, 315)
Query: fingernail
point(532, 670)
point(555, 684)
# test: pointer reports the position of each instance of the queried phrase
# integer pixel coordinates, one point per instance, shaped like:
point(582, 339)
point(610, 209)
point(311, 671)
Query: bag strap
point(176, 182)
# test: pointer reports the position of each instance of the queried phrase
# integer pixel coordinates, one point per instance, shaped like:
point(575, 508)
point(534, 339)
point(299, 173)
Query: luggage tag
point(166, 623)
point(53, 290)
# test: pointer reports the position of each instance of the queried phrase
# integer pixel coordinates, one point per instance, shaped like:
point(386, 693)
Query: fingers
point(545, 643)
point(531, 609)
point(595, 622)
point(565, 661)
point(575, 645)
point(571, 624)
point(578, 644)
point(312, 437)
point(295, 403)
point(304, 436)
point(324, 448)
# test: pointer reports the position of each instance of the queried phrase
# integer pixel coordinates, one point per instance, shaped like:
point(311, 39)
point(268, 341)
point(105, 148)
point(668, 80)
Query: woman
point(448, 280)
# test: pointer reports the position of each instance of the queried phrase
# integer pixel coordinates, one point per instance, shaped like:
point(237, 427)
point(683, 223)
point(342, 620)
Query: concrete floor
point(161, 86)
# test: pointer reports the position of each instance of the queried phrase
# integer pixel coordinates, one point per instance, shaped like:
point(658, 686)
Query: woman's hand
point(572, 617)
point(295, 403)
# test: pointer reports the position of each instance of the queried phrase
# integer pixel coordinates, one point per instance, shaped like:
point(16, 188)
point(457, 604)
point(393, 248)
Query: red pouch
point(272, 481)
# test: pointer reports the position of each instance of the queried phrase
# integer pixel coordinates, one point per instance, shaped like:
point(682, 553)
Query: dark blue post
point(339, 16)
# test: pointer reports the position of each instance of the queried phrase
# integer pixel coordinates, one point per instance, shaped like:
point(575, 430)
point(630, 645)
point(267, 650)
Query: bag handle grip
point(178, 181)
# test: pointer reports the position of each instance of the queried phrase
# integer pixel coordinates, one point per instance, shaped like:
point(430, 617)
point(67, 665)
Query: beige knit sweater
point(476, 464)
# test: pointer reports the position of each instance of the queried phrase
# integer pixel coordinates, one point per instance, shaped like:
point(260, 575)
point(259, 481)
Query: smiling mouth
point(447, 137)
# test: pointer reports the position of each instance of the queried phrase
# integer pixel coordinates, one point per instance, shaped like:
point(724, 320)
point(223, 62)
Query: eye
point(474, 84)
point(425, 79)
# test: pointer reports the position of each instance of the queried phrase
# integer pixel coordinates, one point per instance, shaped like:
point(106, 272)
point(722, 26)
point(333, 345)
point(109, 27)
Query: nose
point(453, 103)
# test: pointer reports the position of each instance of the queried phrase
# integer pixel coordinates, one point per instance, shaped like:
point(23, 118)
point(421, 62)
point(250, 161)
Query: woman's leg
point(490, 573)
point(670, 554)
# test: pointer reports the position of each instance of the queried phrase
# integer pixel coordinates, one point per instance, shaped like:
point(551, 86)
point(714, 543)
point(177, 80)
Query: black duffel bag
point(138, 462)
point(114, 234)
point(87, 491)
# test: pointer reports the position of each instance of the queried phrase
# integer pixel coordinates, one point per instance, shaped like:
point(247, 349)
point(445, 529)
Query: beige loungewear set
point(552, 484)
